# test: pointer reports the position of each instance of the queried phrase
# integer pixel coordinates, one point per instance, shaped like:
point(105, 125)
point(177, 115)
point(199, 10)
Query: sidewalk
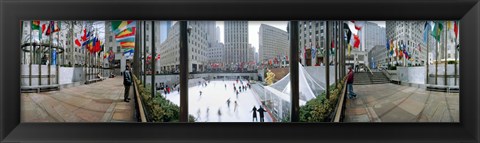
point(396, 103)
point(96, 102)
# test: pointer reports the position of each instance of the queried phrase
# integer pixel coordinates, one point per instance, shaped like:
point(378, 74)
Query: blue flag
point(426, 31)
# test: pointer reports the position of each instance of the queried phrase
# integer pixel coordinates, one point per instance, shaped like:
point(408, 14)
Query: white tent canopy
point(309, 88)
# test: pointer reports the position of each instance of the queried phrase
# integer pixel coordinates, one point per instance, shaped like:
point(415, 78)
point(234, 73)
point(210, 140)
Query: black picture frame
point(13, 11)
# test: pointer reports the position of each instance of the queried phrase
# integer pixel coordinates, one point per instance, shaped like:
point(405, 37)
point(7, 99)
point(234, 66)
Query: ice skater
point(208, 109)
point(235, 107)
point(260, 112)
point(225, 86)
point(254, 110)
point(228, 103)
point(219, 115)
point(198, 114)
point(200, 93)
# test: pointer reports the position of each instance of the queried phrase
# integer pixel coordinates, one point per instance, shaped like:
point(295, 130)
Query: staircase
point(363, 78)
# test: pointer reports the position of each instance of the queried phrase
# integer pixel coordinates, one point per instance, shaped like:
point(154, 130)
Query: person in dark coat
point(260, 112)
point(254, 110)
point(127, 82)
point(350, 77)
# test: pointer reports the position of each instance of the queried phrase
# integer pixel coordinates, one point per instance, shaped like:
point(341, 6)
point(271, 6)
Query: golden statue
point(270, 77)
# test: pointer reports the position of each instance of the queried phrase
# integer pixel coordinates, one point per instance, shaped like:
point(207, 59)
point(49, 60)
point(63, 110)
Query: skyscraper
point(236, 41)
point(273, 43)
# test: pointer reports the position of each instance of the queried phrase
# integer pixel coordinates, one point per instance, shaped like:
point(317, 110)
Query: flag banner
point(388, 45)
point(357, 41)
point(455, 29)
point(119, 26)
point(35, 25)
point(77, 42)
point(127, 44)
point(129, 32)
point(359, 25)
point(437, 30)
point(348, 33)
point(126, 39)
point(426, 30)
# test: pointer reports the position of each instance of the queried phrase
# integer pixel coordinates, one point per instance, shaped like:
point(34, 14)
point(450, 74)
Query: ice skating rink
point(214, 98)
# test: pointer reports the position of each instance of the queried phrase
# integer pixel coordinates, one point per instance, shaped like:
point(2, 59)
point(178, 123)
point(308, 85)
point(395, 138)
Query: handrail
point(340, 106)
point(139, 102)
point(369, 70)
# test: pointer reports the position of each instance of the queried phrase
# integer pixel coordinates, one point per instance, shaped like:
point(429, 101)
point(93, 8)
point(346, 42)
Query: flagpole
point(455, 48)
point(445, 53)
point(144, 54)
point(436, 61)
point(428, 50)
point(335, 30)
point(327, 65)
point(153, 63)
point(57, 52)
point(50, 50)
point(31, 55)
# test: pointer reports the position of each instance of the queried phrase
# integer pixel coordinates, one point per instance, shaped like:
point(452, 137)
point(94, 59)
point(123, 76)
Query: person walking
point(260, 112)
point(254, 110)
point(350, 76)
point(127, 82)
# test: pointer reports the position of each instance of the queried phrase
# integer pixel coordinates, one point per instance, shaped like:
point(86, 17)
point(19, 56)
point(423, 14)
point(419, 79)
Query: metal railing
point(138, 102)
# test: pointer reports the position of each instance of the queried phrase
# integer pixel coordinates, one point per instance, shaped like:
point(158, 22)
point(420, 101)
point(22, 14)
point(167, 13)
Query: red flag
point(357, 41)
point(77, 42)
point(43, 28)
point(333, 44)
point(455, 29)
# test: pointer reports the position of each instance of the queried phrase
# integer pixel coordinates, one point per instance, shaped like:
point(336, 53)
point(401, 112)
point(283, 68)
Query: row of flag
point(352, 40)
point(46, 28)
point(125, 34)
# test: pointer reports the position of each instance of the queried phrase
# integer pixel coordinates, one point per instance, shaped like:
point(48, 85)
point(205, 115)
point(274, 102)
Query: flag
point(35, 25)
point(388, 45)
point(455, 29)
point(357, 41)
point(426, 30)
point(437, 30)
point(348, 33)
point(349, 49)
point(158, 57)
point(49, 28)
point(77, 42)
point(314, 52)
point(359, 25)
point(119, 26)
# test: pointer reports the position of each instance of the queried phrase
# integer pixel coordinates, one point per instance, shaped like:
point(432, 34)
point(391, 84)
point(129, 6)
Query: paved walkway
point(97, 102)
point(396, 103)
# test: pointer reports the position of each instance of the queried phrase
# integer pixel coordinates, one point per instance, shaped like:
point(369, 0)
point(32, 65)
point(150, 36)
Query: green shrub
point(158, 108)
point(320, 109)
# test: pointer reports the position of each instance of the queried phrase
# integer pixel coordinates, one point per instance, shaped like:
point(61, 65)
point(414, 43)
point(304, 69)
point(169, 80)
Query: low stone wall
point(67, 75)
point(416, 75)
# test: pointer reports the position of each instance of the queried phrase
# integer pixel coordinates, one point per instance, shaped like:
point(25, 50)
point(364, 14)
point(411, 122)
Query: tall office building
point(197, 45)
point(215, 53)
point(273, 43)
point(236, 41)
point(311, 35)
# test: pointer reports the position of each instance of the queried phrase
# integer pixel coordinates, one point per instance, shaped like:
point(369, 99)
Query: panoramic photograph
point(239, 71)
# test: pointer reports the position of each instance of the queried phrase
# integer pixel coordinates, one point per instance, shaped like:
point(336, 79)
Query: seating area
point(38, 88)
point(445, 88)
